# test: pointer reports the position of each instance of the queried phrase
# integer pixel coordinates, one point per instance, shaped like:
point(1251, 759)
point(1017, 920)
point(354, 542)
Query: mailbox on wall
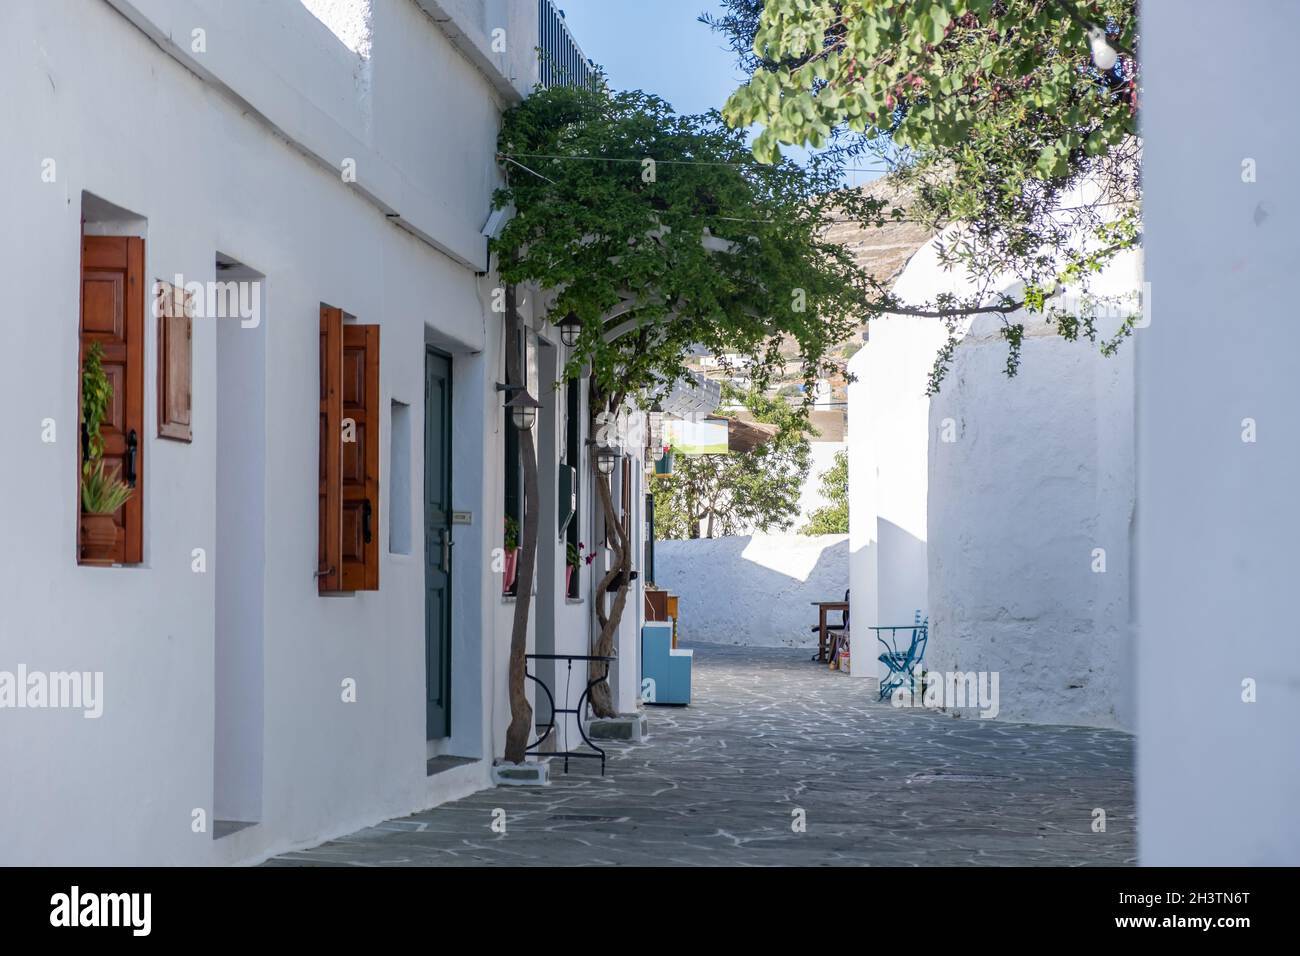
point(568, 503)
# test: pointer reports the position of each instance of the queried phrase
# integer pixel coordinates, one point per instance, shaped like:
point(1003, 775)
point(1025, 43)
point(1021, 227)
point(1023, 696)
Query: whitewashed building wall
point(889, 462)
point(984, 506)
point(1031, 509)
point(234, 146)
point(1218, 700)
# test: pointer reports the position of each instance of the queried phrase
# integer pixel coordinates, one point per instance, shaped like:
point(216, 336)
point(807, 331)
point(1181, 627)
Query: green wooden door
point(437, 543)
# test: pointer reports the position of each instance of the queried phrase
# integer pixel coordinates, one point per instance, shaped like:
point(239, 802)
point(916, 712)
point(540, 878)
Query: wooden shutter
point(175, 335)
point(330, 548)
point(360, 495)
point(348, 552)
point(112, 314)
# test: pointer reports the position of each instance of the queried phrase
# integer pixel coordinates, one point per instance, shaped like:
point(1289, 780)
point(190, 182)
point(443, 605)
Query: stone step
point(622, 727)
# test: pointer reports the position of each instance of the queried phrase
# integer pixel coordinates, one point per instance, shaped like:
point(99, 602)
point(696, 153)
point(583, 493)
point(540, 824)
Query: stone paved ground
point(769, 733)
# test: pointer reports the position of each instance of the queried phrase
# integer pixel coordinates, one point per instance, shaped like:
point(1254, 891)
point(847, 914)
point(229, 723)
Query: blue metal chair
point(902, 662)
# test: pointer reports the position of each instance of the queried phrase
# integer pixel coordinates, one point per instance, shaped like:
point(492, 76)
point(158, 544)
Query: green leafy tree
point(833, 517)
point(1015, 117)
point(658, 231)
point(734, 494)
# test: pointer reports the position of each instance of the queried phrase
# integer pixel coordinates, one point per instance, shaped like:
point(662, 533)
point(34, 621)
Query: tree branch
point(1005, 308)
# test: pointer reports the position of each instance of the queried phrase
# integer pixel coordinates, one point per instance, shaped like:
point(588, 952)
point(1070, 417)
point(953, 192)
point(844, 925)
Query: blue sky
point(657, 46)
point(660, 46)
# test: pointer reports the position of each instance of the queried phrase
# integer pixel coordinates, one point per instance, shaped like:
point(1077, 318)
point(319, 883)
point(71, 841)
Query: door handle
point(446, 550)
point(365, 521)
point(132, 443)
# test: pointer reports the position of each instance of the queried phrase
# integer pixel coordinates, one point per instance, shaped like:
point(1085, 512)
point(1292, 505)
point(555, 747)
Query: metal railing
point(561, 60)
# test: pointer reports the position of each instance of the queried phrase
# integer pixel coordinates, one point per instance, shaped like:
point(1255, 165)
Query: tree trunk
point(521, 712)
point(602, 697)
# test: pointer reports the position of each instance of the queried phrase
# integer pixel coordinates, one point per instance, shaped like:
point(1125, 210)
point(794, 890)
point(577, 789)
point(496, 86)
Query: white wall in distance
point(864, 545)
point(992, 535)
point(888, 463)
point(1035, 484)
point(821, 459)
point(753, 589)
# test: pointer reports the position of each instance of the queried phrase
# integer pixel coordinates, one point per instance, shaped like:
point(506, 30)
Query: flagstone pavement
point(779, 761)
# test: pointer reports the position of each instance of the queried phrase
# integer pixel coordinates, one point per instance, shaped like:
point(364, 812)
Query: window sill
point(573, 600)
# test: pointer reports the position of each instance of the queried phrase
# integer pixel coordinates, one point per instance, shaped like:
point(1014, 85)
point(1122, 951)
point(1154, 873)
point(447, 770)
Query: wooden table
point(822, 608)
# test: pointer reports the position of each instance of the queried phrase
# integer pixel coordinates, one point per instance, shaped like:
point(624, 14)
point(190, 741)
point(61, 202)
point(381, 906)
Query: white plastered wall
point(984, 504)
point(237, 150)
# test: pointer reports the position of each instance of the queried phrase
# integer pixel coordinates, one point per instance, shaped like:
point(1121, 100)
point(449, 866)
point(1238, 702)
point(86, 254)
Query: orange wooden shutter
point(175, 332)
point(348, 553)
point(360, 458)
point(330, 547)
point(112, 314)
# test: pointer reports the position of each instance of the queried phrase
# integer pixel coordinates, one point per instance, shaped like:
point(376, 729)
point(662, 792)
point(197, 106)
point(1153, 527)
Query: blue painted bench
point(665, 671)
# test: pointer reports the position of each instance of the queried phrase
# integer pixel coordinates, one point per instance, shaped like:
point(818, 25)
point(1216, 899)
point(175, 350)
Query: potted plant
point(511, 544)
point(102, 494)
point(620, 581)
point(96, 394)
point(664, 464)
point(573, 559)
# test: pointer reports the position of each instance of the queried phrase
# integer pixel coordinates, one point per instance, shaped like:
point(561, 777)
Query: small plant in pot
point(96, 394)
point(573, 560)
point(511, 545)
point(102, 494)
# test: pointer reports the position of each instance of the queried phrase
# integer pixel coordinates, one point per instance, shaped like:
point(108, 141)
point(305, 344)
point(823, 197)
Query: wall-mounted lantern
point(523, 410)
point(570, 329)
point(523, 407)
point(606, 457)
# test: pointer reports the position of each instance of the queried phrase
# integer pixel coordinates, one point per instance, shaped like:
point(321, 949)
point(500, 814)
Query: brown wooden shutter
point(349, 458)
point(175, 334)
point(112, 314)
point(330, 548)
point(361, 458)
